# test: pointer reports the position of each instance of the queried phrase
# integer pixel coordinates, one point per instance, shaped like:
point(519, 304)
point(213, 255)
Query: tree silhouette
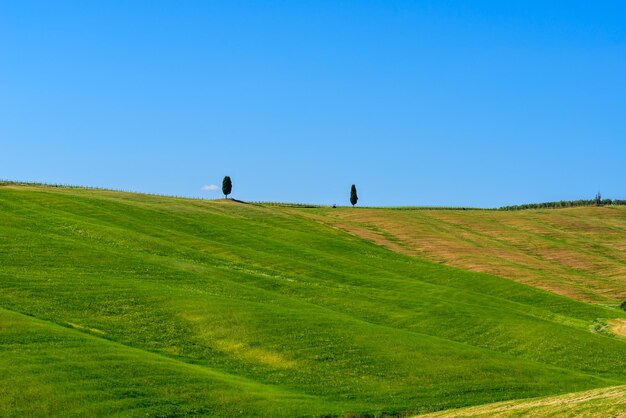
point(353, 196)
point(227, 186)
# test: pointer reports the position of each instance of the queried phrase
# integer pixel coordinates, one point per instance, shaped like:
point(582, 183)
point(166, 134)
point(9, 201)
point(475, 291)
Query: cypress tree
point(227, 186)
point(353, 196)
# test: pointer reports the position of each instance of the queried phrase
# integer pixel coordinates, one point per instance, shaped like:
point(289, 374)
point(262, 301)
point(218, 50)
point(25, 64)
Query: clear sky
point(472, 103)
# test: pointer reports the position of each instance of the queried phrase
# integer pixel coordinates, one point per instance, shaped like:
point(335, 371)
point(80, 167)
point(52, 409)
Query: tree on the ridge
point(353, 196)
point(598, 199)
point(227, 186)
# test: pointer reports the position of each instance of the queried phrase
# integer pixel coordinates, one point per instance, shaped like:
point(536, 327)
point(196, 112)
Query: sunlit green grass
point(132, 305)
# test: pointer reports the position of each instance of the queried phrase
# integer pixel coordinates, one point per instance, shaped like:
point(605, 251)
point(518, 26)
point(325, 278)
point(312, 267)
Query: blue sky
point(474, 103)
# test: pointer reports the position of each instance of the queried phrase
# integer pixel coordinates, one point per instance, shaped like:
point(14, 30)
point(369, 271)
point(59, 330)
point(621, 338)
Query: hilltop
point(128, 304)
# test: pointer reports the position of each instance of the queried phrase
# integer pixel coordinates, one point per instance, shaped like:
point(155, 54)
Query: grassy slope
point(134, 304)
point(577, 252)
point(596, 403)
point(48, 369)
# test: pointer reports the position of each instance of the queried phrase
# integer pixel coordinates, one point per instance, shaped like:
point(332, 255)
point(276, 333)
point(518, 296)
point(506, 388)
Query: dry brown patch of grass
point(605, 402)
point(577, 252)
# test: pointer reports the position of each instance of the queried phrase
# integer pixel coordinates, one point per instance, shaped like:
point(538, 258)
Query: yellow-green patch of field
point(618, 327)
point(576, 252)
point(597, 403)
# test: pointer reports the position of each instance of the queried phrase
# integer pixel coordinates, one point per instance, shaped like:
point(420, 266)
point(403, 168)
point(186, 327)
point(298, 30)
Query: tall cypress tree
point(227, 186)
point(353, 196)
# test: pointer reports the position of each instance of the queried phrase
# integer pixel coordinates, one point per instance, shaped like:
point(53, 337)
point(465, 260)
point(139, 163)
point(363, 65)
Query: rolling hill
point(576, 252)
point(126, 304)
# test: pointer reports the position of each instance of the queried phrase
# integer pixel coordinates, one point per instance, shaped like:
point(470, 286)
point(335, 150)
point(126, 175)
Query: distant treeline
point(566, 204)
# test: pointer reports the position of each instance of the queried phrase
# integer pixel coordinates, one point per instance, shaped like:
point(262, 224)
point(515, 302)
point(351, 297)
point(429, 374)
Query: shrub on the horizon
point(353, 196)
point(567, 204)
point(227, 186)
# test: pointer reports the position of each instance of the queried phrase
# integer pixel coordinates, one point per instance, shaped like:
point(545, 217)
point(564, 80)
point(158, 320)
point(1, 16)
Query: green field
point(132, 305)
